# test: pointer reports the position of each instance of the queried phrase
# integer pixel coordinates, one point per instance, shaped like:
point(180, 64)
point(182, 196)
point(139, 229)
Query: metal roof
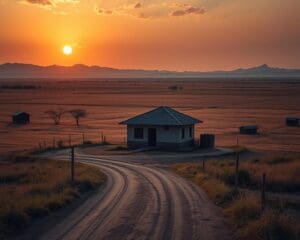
point(162, 116)
point(19, 112)
point(249, 127)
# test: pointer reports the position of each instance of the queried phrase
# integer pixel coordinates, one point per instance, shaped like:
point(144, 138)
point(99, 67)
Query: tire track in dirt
point(142, 202)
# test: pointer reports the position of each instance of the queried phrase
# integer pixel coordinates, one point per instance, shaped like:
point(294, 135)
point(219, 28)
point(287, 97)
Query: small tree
point(77, 114)
point(55, 115)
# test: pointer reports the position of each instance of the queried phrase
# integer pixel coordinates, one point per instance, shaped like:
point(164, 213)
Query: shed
point(21, 118)
point(250, 129)
point(162, 127)
point(292, 121)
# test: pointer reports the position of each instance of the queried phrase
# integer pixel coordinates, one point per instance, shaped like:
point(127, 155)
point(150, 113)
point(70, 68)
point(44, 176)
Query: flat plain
point(222, 105)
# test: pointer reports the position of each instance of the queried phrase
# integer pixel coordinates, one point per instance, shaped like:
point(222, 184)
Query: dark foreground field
point(223, 105)
point(33, 188)
point(280, 217)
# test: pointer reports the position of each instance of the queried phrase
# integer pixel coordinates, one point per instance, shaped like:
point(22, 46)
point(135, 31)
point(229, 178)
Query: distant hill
point(19, 70)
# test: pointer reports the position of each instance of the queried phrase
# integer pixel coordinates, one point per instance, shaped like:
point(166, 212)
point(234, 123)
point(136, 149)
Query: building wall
point(21, 118)
point(168, 138)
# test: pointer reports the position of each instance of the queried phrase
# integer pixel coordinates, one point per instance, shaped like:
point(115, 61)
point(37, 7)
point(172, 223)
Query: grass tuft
point(33, 188)
point(273, 225)
point(244, 208)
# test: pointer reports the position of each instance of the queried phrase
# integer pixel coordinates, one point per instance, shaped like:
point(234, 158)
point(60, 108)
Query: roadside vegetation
point(32, 188)
point(280, 217)
point(67, 144)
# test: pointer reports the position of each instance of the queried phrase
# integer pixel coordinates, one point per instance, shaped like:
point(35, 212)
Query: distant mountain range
point(19, 70)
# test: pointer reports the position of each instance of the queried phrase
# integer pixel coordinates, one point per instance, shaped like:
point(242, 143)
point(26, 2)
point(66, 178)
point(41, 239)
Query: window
point(182, 133)
point(191, 131)
point(166, 128)
point(138, 133)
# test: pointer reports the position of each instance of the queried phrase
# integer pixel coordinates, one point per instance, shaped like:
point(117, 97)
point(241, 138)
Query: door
point(151, 137)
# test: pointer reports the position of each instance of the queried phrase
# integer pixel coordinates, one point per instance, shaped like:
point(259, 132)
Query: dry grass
point(32, 188)
point(271, 224)
point(222, 105)
point(216, 189)
point(244, 209)
point(282, 173)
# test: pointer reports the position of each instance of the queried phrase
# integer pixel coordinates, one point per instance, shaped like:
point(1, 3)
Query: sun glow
point(67, 50)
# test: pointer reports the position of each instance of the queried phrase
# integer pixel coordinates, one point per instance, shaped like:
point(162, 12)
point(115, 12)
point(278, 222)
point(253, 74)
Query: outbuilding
point(292, 121)
point(21, 118)
point(162, 127)
point(250, 129)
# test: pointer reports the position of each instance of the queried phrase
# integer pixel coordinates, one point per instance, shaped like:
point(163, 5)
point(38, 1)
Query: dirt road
point(141, 202)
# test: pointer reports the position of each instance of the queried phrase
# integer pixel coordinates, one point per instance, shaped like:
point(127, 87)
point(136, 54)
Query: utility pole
point(70, 140)
point(263, 191)
point(236, 182)
point(72, 164)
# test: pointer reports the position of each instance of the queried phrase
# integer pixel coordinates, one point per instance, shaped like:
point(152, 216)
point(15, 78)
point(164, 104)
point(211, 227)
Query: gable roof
point(162, 116)
point(19, 113)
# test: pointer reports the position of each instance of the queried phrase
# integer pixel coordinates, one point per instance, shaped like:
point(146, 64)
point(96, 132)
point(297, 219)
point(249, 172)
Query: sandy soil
point(142, 202)
point(222, 105)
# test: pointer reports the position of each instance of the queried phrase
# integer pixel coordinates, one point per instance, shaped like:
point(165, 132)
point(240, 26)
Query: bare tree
point(77, 114)
point(55, 115)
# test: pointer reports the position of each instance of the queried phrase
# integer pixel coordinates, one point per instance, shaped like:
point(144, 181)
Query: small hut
point(292, 121)
point(21, 118)
point(250, 129)
point(163, 128)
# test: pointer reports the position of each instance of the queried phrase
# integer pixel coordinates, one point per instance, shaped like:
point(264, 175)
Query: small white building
point(163, 127)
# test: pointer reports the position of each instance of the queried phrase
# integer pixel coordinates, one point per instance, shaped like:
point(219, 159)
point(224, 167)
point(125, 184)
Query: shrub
point(244, 177)
point(37, 212)
point(272, 225)
point(244, 209)
point(215, 189)
point(60, 144)
point(14, 221)
point(278, 160)
point(32, 188)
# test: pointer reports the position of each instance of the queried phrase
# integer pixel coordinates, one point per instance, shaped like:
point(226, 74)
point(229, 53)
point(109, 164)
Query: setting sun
point(67, 50)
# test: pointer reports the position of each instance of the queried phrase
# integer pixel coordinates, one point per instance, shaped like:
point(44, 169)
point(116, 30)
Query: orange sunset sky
point(151, 34)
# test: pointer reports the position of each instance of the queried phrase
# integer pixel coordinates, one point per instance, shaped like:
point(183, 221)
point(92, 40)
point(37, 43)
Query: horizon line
point(161, 70)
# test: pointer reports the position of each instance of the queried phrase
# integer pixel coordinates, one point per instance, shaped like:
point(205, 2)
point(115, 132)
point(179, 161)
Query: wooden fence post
point(72, 164)
point(263, 191)
point(236, 182)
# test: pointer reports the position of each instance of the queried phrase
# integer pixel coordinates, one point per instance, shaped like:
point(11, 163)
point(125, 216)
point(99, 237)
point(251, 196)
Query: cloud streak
point(188, 10)
point(40, 2)
point(152, 10)
point(48, 4)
